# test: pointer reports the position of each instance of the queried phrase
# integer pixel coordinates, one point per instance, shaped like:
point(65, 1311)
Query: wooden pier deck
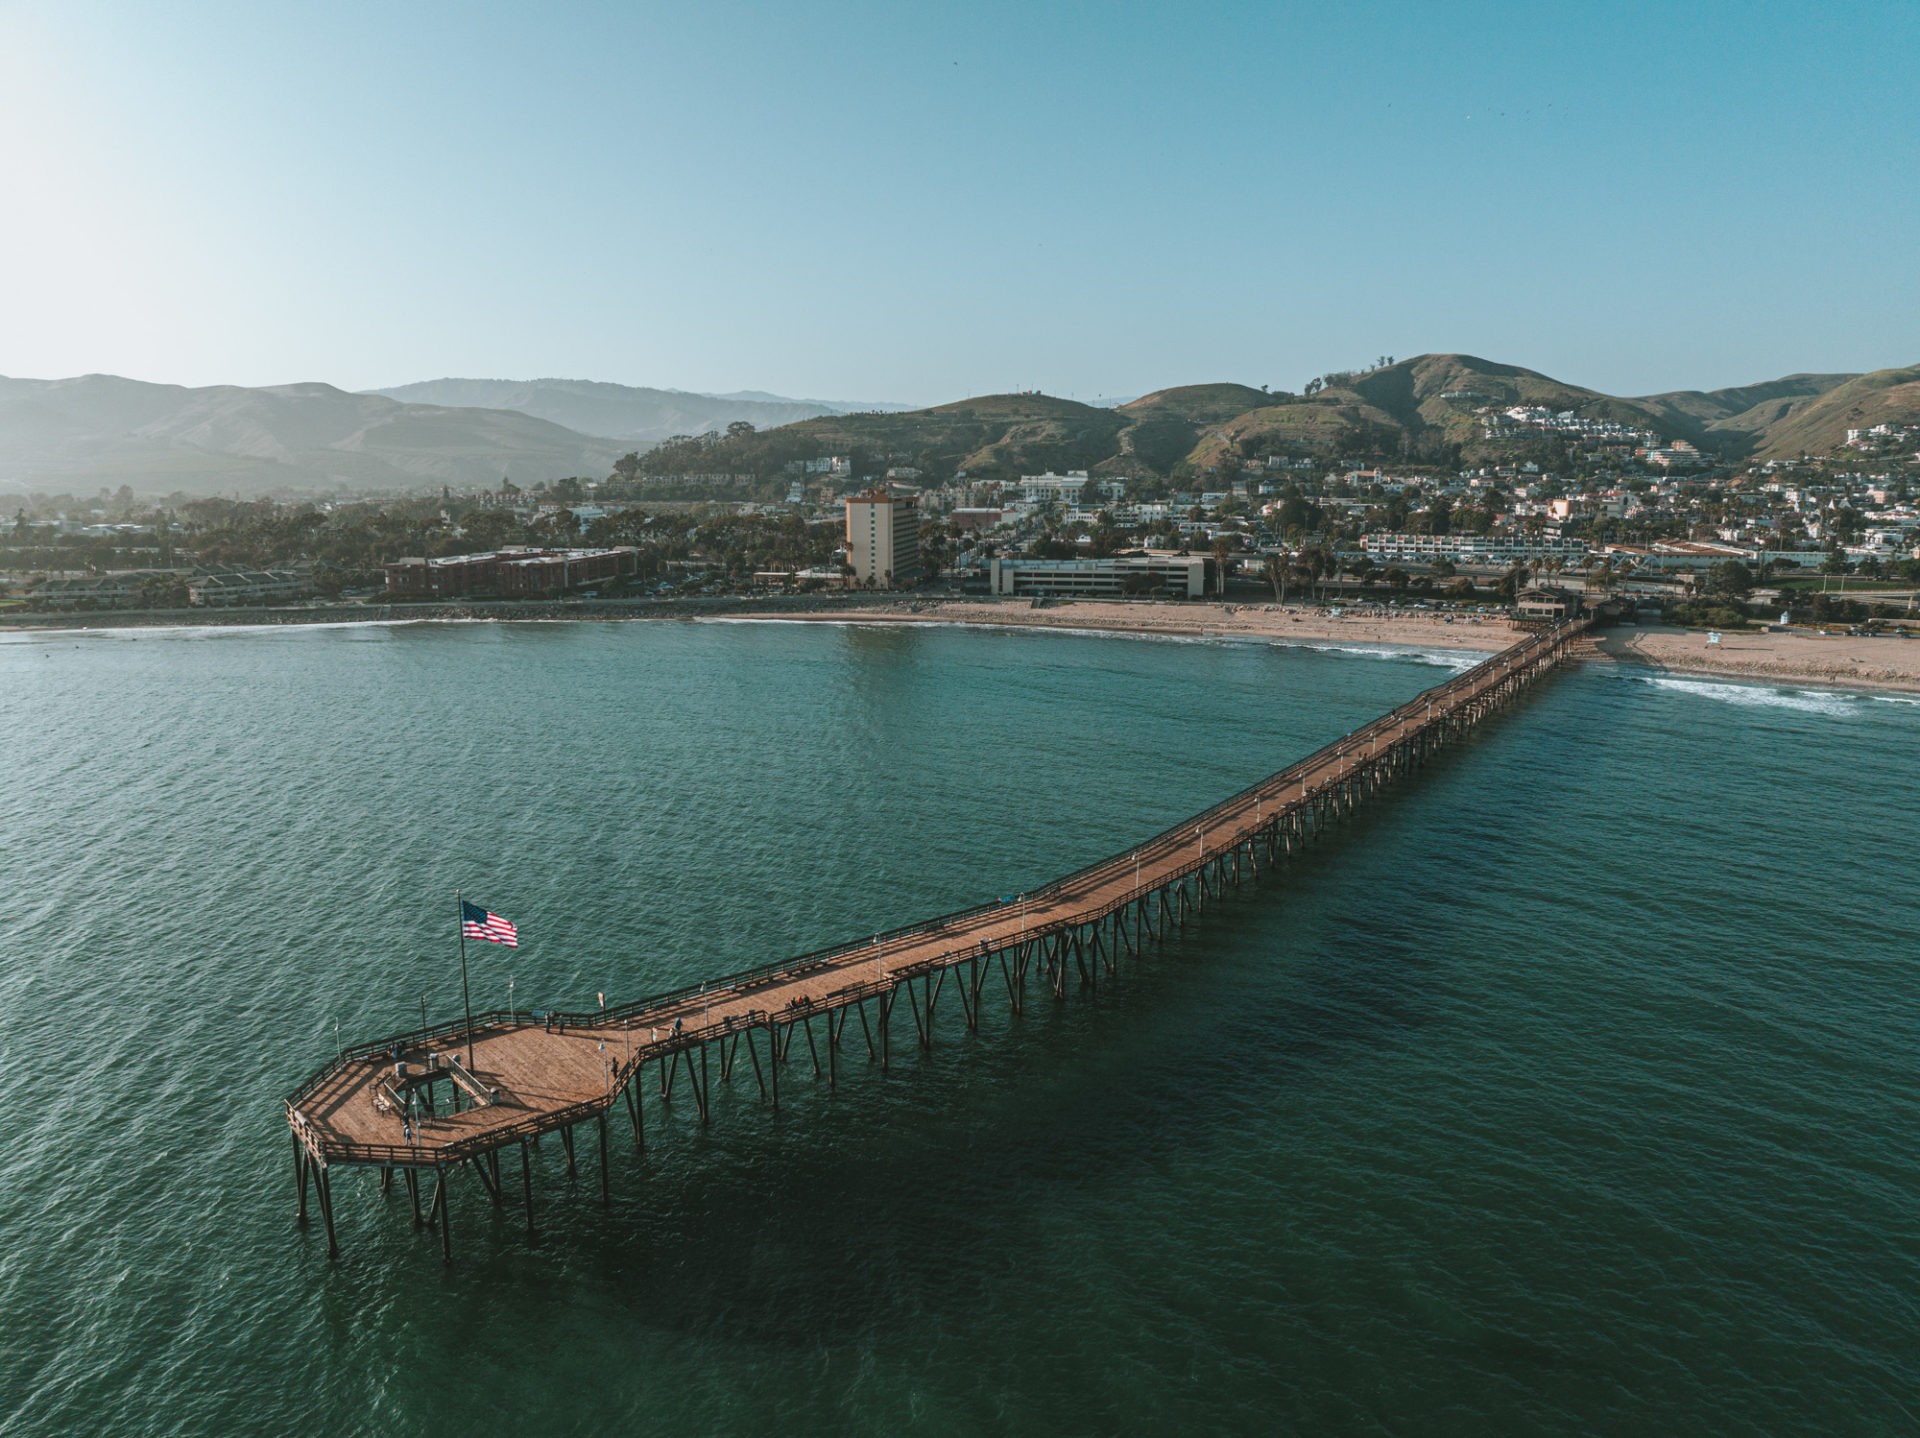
point(410, 1104)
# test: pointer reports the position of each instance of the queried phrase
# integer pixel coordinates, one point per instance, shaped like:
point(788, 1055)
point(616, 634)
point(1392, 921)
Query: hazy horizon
point(913, 207)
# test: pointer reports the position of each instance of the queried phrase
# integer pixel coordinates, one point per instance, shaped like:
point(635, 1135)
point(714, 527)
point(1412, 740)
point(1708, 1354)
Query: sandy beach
point(1834, 660)
point(1359, 625)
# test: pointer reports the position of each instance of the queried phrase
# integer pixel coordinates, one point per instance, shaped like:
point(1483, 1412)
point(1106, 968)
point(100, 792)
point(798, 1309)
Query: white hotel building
point(1479, 549)
point(883, 538)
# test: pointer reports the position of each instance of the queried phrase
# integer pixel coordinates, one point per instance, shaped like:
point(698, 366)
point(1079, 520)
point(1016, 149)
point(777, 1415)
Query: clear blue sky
point(921, 201)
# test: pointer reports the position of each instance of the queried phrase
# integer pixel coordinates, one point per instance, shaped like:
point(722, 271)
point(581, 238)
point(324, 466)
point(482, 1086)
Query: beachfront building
point(1546, 605)
point(883, 538)
point(1183, 576)
point(224, 588)
point(121, 589)
point(1487, 550)
point(518, 572)
point(1689, 554)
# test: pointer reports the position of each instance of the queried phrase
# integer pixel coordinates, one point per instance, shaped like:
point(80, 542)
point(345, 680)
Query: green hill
point(1431, 408)
point(992, 434)
point(1800, 414)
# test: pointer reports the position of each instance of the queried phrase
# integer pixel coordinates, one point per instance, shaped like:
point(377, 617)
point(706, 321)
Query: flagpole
point(466, 1002)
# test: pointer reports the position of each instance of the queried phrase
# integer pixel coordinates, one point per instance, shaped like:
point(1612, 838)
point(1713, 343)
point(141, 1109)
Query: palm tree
point(1276, 570)
point(1223, 550)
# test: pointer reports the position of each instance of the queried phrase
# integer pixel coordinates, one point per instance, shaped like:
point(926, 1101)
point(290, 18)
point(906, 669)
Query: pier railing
point(1428, 699)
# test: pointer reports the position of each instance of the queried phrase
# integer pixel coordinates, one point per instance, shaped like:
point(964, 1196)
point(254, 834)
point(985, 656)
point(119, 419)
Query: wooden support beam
point(323, 1186)
point(600, 1119)
point(812, 1049)
point(526, 1181)
point(413, 1195)
point(913, 1008)
point(489, 1181)
point(773, 1063)
point(300, 1163)
point(753, 1052)
point(446, 1218)
point(631, 1089)
point(969, 994)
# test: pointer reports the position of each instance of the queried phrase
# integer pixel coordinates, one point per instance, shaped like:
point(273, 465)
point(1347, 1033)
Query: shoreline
point(1484, 634)
point(1797, 658)
point(1879, 664)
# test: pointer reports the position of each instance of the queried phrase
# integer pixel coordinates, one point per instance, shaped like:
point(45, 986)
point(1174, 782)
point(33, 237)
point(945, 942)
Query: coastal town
point(1662, 526)
point(959, 719)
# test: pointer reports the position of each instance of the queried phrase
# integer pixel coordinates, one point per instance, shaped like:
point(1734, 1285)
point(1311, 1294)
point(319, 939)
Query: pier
point(428, 1103)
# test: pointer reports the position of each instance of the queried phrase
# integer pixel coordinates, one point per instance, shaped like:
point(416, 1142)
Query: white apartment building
point(1483, 549)
point(1072, 487)
point(1678, 455)
point(883, 538)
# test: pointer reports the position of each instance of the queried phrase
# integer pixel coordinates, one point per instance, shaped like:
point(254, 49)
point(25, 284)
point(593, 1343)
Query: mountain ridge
point(636, 414)
point(106, 430)
point(1430, 409)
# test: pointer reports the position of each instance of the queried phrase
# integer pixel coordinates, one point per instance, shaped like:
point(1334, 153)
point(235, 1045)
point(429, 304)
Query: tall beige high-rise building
point(883, 538)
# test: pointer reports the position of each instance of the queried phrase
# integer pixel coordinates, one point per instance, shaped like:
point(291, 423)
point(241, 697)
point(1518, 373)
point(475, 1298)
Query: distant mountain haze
point(633, 413)
point(103, 431)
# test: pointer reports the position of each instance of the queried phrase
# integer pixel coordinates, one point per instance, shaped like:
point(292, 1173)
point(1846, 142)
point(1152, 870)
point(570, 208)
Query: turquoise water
point(1571, 1089)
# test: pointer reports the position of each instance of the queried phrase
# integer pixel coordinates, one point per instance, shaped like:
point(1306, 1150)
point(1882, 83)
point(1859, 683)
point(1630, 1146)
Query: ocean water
point(1571, 1089)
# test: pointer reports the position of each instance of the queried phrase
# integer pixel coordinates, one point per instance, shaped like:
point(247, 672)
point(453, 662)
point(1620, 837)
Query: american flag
point(479, 923)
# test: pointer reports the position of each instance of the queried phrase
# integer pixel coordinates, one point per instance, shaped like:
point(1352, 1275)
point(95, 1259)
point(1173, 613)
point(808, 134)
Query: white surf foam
point(1758, 696)
point(1454, 659)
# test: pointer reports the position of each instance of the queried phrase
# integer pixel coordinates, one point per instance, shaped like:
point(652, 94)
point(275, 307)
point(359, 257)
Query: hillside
point(1731, 406)
point(1815, 423)
point(996, 434)
point(1430, 409)
point(1423, 408)
point(636, 414)
point(103, 431)
point(99, 430)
